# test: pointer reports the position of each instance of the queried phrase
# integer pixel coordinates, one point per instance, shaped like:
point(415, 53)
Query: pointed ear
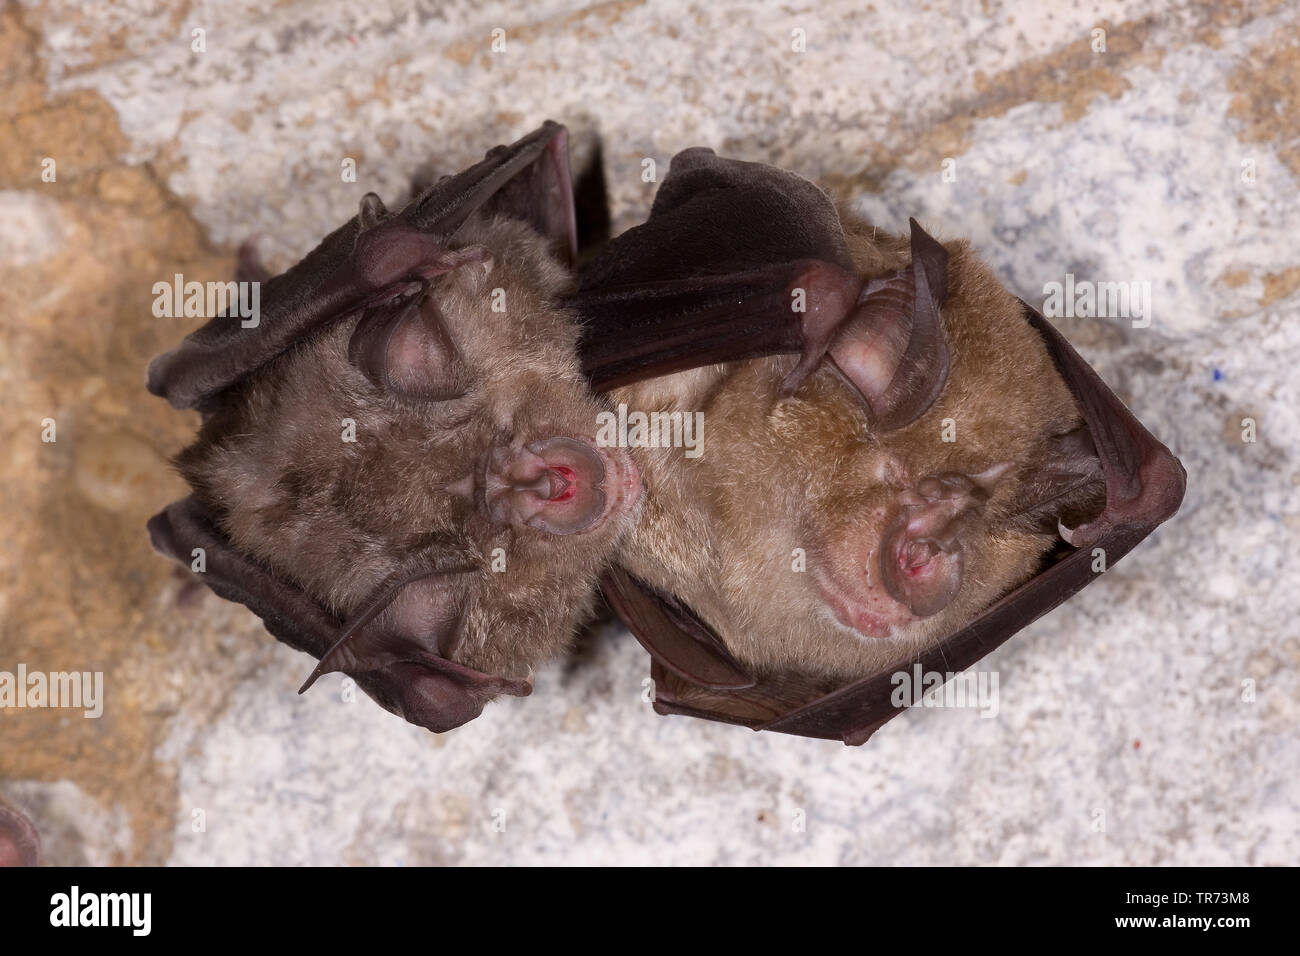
point(408, 631)
point(357, 265)
point(412, 620)
point(893, 348)
point(404, 348)
point(921, 549)
point(1064, 488)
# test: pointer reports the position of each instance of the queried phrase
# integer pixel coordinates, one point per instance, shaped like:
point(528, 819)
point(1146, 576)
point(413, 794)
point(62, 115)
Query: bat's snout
point(558, 485)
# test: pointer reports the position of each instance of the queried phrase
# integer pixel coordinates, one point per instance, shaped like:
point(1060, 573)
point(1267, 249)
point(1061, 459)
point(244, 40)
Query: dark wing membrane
point(396, 670)
point(288, 613)
point(707, 278)
point(367, 256)
point(715, 217)
point(673, 634)
point(631, 333)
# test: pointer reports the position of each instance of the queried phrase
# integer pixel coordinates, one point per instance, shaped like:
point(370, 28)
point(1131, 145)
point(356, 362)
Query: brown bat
point(857, 507)
point(389, 579)
point(413, 492)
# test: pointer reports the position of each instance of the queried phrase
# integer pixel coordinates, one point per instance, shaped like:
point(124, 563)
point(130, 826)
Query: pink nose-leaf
point(921, 555)
point(554, 485)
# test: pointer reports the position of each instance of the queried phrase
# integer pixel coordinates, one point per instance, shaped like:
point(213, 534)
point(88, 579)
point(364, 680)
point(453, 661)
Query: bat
point(639, 344)
point(19, 844)
point(397, 468)
point(904, 462)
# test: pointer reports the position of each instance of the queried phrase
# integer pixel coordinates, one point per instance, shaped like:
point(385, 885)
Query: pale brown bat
point(421, 468)
point(852, 506)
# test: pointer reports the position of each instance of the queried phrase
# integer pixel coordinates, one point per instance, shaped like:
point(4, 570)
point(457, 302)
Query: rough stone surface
point(1131, 704)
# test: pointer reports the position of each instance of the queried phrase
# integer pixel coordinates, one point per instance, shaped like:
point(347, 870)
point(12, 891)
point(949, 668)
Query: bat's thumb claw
point(794, 380)
point(372, 211)
point(1080, 537)
point(311, 679)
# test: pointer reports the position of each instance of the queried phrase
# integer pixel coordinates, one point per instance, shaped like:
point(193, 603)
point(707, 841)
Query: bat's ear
point(370, 259)
point(407, 631)
point(395, 663)
point(921, 553)
point(1066, 486)
point(893, 348)
point(403, 346)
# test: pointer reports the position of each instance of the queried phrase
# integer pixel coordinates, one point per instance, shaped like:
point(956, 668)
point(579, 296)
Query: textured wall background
point(1119, 165)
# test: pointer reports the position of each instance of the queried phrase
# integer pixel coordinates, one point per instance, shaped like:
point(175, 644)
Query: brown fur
point(338, 518)
point(808, 472)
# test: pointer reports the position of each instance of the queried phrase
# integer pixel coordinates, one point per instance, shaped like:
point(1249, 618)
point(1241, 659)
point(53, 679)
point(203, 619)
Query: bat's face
point(839, 545)
point(445, 436)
